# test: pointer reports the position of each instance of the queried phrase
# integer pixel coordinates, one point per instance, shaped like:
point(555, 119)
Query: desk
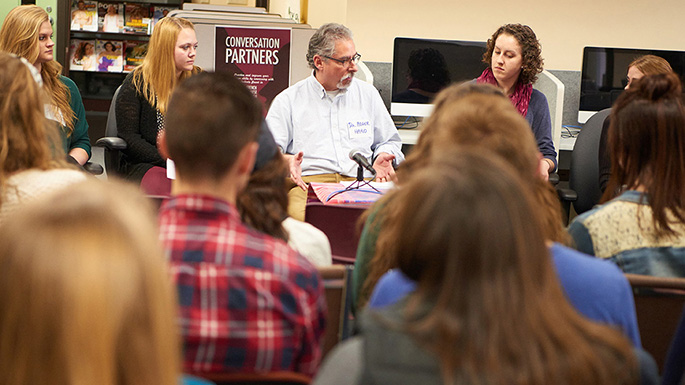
point(339, 223)
point(566, 144)
point(409, 135)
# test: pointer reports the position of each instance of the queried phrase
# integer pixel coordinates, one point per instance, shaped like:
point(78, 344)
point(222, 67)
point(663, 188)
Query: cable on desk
point(570, 131)
point(413, 124)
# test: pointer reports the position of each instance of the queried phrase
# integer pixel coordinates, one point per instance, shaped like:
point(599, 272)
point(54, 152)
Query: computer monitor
point(422, 67)
point(603, 75)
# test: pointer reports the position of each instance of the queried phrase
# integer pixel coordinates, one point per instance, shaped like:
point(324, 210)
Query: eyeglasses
point(346, 62)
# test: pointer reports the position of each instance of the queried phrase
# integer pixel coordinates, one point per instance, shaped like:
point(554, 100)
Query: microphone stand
point(357, 184)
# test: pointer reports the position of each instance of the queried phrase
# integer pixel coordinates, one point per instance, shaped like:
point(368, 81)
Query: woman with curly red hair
point(514, 57)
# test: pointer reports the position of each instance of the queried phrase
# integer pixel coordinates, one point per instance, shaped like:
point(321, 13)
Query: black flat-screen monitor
point(603, 75)
point(422, 67)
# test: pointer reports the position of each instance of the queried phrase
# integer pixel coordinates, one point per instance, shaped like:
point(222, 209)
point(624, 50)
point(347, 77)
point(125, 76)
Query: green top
point(79, 137)
point(366, 249)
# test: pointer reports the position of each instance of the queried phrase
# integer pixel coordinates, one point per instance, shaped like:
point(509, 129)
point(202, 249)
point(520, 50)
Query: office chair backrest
point(111, 142)
point(659, 303)
point(584, 173)
point(111, 128)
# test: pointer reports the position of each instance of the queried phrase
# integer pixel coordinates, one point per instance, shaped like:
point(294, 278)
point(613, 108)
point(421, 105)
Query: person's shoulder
point(623, 206)
point(128, 80)
point(61, 176)
point(593, 269)
point(292, 94)
point(363, 87)
point(395, 277)
point(278, 251)
point(69, 83)
point(589, 215)
point(299, 86)
point(537, 95)
point(538, 100)
point(309, 241)
point(343, 365)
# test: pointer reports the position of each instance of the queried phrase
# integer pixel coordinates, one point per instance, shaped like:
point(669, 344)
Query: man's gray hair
point(322, 43)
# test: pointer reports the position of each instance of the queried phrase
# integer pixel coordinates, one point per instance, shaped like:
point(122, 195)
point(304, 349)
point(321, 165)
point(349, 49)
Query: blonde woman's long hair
point(19, 35)
point(85, 297)
point(27, 138)
point(155, 79)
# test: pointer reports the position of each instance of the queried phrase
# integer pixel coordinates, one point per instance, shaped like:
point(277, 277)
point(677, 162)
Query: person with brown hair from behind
point(249, 303)
point(488, 307)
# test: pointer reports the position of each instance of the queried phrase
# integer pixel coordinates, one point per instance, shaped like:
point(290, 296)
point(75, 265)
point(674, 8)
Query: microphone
point(361, 160)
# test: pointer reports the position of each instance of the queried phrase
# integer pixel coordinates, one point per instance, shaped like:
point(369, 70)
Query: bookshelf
point(98, 73)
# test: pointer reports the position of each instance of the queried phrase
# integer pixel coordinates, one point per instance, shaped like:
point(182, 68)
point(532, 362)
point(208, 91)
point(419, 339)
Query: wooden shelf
point(109, 35)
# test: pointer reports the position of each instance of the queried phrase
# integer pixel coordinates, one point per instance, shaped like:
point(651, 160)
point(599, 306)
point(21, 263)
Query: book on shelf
point(137, 18)
point(82, 55)
point(160, 12)
point(110, 56)
point(84, 15)
point(134, 53)
point(110, 17)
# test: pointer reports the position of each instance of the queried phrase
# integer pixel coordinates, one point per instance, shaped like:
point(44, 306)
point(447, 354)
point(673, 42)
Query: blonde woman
point(31, 160)
point(144, 95)
point(91, 302)
point(27, 32)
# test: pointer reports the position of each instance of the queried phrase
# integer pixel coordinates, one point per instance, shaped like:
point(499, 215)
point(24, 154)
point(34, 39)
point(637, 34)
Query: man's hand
point(295, 165)
point(383, 166)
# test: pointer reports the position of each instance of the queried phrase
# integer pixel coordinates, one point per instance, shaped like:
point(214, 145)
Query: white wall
point(563, 27)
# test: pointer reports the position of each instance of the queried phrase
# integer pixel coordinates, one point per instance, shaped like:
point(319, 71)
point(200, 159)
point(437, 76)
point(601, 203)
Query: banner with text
point(259, 57)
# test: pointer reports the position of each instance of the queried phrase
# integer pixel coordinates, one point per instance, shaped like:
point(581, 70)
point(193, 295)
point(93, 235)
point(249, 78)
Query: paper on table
point(378, 185)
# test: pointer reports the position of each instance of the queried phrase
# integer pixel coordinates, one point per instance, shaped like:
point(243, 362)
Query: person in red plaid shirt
point(248, 302)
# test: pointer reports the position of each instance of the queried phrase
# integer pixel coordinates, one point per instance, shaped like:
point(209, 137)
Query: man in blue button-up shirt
point(318, 121)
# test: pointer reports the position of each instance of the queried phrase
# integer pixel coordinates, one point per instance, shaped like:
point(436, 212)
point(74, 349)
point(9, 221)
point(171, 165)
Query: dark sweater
point(541, 124)
point(384, 354)
point(137, 125)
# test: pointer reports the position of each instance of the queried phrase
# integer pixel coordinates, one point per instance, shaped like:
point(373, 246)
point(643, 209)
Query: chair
point(659, 303)
point(675, 360)
point(93, 168)
point(584, 173)
point(275, 378)
point(336, 280)
point(112, 144)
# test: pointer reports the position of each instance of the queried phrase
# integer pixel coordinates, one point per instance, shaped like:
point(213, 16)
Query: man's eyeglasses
point(346, 62)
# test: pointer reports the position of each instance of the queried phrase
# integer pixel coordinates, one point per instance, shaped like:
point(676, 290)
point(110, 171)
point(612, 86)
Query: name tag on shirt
point(359, 129)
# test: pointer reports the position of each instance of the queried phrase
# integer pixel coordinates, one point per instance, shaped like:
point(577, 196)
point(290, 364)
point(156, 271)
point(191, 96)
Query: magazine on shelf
point(134, 53)
point(137, 18)
point(110, 17)
point(82, 55)
point(84, 15)
point(159, 13)
point(110, 56)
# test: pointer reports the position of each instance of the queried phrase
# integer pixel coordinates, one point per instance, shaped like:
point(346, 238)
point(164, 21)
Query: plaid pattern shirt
point(248, 303)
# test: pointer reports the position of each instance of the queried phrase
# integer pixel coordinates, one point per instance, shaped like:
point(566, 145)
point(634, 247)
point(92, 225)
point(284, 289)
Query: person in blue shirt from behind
point(597, 289)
